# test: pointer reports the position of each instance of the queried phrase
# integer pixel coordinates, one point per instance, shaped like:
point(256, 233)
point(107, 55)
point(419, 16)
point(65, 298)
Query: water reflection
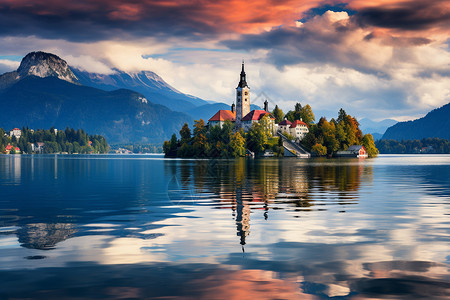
point(246, 186)
point(141, 227)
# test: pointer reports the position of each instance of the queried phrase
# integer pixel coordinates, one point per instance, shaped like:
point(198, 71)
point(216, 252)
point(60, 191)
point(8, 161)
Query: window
point(246, 93)
point(239, 93)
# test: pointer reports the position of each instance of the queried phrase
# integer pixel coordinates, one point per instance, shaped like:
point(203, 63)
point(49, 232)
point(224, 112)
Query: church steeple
point(242, 99)
point(243, 81)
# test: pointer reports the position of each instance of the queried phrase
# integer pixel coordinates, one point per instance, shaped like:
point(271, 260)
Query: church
point(240, 114)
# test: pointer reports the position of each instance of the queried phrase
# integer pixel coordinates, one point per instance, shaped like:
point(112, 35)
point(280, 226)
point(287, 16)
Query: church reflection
point(248, 186)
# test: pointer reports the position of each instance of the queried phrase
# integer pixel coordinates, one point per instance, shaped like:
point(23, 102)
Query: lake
point(141, 226)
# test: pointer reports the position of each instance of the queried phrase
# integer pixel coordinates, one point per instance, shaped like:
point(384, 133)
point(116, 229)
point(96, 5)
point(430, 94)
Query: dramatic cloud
point(407, 15)
point(112, 19)
point(379, 58)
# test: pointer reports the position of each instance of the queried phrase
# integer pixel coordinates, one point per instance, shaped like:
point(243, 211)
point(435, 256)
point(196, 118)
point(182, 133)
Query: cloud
point(8, 65)
point(113, 19)
point(407, 15)
point(354, 54)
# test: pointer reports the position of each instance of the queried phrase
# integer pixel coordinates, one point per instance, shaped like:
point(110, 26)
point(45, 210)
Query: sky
point(374, 58)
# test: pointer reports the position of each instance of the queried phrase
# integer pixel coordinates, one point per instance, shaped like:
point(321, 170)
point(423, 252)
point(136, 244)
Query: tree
point(278, 114)
point(319, 150)
point(237, 145)
point(307, 115)
point(369, 144)
point(342, 115)
point(257, 138)
point(200, 143)
point(185, 134)
point(28, 148)
point(266, 124)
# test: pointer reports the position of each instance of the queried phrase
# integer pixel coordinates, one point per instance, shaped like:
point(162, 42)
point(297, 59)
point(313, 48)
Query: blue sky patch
point(320, 10)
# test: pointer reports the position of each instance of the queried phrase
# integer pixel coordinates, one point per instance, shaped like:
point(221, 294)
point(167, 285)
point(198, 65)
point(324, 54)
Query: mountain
point(39, 64)
point(435, 124)
point(377, 129)
point(155, 89)
point(44, 92)
point(152, 86)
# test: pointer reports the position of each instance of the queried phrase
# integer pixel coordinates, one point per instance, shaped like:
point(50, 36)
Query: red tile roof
point(256, 115)
point(223, 115)
point(297, 123)
point(285, 122)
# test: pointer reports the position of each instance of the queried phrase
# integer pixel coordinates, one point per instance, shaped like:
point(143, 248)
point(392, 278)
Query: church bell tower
point(242, 99)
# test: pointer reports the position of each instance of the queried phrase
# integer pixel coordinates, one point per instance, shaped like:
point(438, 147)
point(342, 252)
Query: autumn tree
point(369, 144)
point(237, 145)
point(307, 115)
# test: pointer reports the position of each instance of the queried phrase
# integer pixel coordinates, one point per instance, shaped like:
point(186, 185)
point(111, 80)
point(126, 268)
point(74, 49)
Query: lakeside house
point(353, 151)
point(9, 147)
point(298, 129)
point(16, 132)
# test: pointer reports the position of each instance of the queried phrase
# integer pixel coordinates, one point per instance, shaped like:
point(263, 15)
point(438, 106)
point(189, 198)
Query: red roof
point(297, 122)
point(256, 115)
point(9, 148)
point(285, 122)
point(223, 115)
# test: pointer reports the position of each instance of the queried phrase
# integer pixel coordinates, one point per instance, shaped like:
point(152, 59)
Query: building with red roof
point(9, 147)
point(15, 132)
point(255, 116)
point(297, 129)
point(284, 125)
point(221, 116)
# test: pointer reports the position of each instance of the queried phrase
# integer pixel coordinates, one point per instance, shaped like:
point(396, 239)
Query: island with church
point(240, 132)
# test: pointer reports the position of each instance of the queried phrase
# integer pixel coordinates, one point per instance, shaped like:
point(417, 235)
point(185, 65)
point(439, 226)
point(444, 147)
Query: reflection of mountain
point(247, 186)
point(44, 236)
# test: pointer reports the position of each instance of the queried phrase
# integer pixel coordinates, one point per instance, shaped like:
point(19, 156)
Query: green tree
point(278, 114)
point(342, 115)
point(185, 134)
point(257, 138)
point(200, 142)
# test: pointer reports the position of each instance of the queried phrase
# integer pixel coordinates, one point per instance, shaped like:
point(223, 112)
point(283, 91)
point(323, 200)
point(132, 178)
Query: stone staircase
point(293, 149)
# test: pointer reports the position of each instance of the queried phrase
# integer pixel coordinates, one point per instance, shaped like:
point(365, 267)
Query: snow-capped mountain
point(148, 83)
point(44, 92)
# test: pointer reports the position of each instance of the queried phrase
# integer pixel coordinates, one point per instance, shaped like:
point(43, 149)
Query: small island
point(241, 131)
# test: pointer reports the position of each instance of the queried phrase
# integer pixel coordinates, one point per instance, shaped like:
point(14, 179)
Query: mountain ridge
point(436, 123)
point(44, 92)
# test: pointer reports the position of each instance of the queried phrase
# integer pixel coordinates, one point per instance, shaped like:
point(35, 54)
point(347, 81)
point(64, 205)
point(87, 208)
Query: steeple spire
point(243, 80)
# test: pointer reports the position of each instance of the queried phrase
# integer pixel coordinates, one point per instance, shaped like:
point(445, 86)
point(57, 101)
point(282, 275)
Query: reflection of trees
point(245, 185)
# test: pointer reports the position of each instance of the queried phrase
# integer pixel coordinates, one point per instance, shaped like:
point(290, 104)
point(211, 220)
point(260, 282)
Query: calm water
point(141, 226)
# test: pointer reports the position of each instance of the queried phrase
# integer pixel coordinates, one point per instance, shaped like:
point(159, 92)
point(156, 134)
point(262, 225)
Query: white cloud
point(8, 65)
